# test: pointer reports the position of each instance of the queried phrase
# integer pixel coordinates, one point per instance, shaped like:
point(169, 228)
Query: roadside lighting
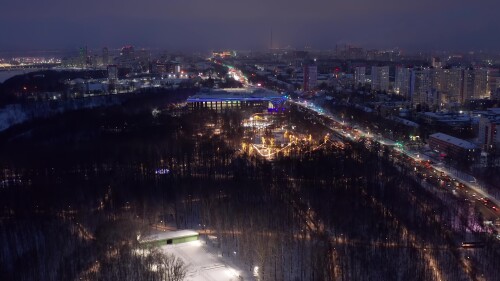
point(256, 271)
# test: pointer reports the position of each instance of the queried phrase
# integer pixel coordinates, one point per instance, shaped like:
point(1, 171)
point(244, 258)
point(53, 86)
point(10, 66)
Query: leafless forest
point(77, 190)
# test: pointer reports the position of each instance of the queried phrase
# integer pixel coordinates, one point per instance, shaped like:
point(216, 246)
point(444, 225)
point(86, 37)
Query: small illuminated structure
point(170, 237)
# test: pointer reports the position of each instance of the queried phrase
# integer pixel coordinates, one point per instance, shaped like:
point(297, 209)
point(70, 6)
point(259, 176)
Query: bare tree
point(170, 267)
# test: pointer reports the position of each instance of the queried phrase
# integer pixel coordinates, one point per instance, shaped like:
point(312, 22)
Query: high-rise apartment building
point(458, 84)
point(468, 87)
point(380, 78)
point(438, 80)
point(480, 83)
point(105, 56)
point(310, 77)
point(402, 81)
point(112, 73)
point(359, 76)
point(84, 56)
point(433, 86)
point(127, 51)
point(489, 129)
point(493, 80)
point(454, 85)
point(420, 85)
point(436, 62)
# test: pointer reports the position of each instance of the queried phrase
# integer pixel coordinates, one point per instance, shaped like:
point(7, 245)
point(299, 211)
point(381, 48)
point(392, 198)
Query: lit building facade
point(453, 85)
point(402, 81)
point(310, 77)
point(360, 76)
point(489, 129)
point(380, 78)
point(236, 98)
point(112, 73)
point(105, 56)
point(420, 85)
point(480, 89)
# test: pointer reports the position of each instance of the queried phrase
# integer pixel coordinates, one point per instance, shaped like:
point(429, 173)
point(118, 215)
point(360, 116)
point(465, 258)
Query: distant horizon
point(416, 26)
point(341, 47)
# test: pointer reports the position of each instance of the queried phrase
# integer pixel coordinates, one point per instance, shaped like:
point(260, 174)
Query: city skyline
point(458, 26)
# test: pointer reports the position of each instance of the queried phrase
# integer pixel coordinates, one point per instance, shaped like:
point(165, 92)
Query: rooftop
point(494, 110)
point(453, 140)
point(168, 235)
point(449, 118)
point(241, 94)
point(404, 121)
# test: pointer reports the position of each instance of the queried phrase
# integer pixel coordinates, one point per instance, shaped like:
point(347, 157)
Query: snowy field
point(204, 264)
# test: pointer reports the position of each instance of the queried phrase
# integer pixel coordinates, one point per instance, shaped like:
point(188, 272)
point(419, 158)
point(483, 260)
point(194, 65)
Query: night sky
point(457, 25)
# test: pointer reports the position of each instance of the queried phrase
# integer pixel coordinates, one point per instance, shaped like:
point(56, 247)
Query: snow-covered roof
point(168, 235)
point(494, 110)
point(453, 140)
point(404, 121)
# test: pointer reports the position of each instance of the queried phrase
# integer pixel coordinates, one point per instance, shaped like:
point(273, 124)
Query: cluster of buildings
point(379, 78)
point(488, 135)
point(437, 86)
point(426, 89)
point(432, 86)
point(423, 80)
point(128, 57)
point(452, 95)
point(349, 52)
point(302, 74)
point(482, 127)
point(28, 61)
point(129, 70)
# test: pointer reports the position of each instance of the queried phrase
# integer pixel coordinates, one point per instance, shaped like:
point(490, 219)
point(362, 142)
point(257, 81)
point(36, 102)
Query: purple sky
point(459, 25)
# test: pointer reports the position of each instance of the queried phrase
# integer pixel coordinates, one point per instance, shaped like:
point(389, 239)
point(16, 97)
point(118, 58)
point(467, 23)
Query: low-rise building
point(453, 147)
point(170, 237)
point(449, 119)
point(236, 98)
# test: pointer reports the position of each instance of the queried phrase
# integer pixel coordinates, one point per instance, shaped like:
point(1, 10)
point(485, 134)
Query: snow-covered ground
point(204, 264)
point(5, 75)
point(13, 114)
